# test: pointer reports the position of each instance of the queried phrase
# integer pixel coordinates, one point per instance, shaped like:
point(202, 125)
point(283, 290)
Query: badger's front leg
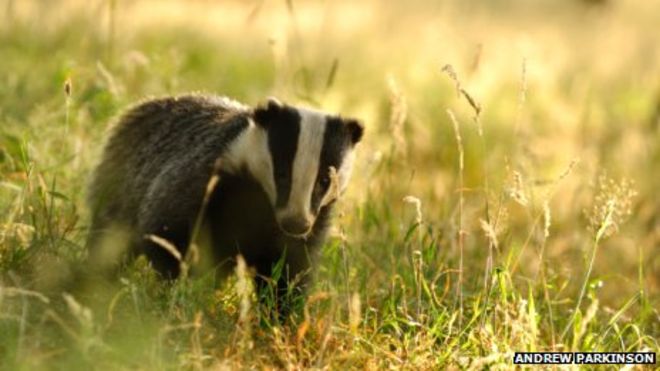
point(282, 283)
point(167, 215)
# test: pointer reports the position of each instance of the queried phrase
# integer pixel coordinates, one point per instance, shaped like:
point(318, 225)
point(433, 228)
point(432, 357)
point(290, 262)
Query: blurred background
point(556, 103)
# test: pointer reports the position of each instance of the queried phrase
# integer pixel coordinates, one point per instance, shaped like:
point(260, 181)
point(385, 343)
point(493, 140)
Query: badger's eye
point(280, 177)
point(324, 182)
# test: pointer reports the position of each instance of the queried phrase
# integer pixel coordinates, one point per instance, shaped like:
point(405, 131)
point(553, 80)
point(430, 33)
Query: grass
point(505, 195)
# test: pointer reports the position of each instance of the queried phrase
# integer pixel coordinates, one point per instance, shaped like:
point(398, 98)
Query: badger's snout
point(296, 226)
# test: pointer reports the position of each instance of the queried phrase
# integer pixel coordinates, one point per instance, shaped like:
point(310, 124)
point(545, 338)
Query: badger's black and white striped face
point(293, 156)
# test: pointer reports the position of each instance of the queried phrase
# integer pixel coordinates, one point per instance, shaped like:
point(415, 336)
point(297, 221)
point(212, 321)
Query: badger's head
point(302, 158)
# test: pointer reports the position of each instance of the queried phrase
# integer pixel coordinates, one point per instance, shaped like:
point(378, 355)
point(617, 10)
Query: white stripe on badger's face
point(250, 150)
point(305, 167)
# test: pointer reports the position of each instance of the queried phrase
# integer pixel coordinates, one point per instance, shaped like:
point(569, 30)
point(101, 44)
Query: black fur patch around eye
point(283, 126)
point(338, 138)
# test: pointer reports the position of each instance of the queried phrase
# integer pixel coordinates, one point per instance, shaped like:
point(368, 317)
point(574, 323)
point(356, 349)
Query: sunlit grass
point(506, 202)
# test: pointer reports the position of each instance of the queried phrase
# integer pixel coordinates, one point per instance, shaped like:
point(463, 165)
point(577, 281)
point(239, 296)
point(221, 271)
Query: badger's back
point(149, 138)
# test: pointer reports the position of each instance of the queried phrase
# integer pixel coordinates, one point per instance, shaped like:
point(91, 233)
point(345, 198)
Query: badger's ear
point(264, 114)
point(274, 102)
point(355, 129)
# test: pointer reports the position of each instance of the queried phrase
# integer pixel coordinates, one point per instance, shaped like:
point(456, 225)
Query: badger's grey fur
point(273, 200)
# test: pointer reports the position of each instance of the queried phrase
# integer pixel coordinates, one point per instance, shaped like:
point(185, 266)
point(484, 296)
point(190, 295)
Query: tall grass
point(469, 231)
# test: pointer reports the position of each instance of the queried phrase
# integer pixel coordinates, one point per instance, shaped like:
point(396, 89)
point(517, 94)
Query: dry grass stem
point(461, 233)
point(476, 107)
point(522, 95)
point(398, 115)
point(354, 312)
point(166, 245)
point(192, 253)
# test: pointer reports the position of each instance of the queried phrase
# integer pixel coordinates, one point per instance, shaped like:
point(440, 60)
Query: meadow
point(505, 195)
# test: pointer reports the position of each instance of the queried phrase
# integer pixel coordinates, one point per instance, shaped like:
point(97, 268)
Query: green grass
point(555, 212)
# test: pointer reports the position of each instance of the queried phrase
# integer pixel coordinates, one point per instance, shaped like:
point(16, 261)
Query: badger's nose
point(295, 225)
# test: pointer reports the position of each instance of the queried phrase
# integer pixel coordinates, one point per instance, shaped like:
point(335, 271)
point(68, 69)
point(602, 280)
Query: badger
point(275, 164)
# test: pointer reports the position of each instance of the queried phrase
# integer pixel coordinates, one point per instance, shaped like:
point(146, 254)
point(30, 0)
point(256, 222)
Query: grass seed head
point(489, 231)
point(418, 207)
point(517, 189)
point(612, 205)
point(68, 87)
point(547, 219)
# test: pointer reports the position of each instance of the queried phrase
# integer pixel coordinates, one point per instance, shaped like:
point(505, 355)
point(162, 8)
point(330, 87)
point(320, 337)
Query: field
point(505, 196)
